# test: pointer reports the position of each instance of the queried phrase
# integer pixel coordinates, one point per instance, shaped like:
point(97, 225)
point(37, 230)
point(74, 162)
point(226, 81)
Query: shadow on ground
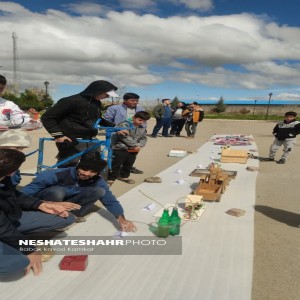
point(280, 215)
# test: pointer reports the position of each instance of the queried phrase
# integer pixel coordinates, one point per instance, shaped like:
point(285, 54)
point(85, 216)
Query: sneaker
point(281, 161)
point(136, 171)
point(153, 136)
point(79, 219)
point(269, 159)
point(126, 180)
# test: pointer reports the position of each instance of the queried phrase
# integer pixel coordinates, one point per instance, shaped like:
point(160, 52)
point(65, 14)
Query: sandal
point(127, 180)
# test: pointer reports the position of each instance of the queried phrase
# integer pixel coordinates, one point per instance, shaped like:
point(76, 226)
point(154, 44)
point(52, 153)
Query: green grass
point(242, 117)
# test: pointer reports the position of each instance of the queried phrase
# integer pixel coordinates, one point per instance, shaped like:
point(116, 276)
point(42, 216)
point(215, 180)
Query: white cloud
point(137, 4)
point(141, 50)
point(196, 4)
point(287, 96)
point(87, 8)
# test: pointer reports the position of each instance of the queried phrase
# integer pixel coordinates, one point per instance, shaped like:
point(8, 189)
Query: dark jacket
point(159, 111)
point(75, 116)
point(284, 130)
point(12, 203)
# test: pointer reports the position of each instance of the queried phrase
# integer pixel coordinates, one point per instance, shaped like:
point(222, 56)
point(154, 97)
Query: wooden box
point(209, 191)
point(234, 156)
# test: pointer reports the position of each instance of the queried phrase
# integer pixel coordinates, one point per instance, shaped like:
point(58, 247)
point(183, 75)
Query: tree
point(30, 98)
point(175, 102)
point(220, 106)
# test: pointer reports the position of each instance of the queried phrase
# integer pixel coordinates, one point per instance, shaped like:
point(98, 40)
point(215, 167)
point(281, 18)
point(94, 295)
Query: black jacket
point(75, 116)
point(11, 204)
point(284, 130)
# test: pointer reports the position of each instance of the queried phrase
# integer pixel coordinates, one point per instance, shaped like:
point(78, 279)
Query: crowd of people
point(57, 198)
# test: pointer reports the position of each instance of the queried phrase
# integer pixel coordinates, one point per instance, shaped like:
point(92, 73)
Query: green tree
point(220, 106)
point(30, 98)
point(175, 102)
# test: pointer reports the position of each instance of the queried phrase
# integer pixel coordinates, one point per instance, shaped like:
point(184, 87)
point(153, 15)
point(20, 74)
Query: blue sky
point(192, 49)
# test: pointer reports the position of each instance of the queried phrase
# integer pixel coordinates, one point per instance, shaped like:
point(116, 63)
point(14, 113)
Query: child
point(194, 114)
point(285, 134)
point(126, 147)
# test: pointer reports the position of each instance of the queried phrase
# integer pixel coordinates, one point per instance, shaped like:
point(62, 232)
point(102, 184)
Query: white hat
point(112, 93)
point(14, 138)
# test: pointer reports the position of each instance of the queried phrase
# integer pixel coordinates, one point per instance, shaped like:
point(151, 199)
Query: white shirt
point(11, 115)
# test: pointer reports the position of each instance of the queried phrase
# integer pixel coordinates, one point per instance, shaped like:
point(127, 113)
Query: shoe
point(167, 135)
point(177, 134)
point(267, 159)
point(136, 171)
point(126, 180)
point(110, 182)
point(281, 161)
point(79, 219)
point(153, 136)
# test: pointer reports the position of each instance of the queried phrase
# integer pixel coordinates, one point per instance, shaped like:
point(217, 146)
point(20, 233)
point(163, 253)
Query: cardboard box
point(234, 156)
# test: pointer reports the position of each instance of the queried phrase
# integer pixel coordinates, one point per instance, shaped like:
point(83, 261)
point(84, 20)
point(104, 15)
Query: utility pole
point(16, 61)
point(46, 83)
point(254, 107)
point(267, 113)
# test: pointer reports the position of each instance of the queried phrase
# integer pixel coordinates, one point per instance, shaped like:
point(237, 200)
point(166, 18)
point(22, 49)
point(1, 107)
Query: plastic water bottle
point(175, 222)
point(163, 224)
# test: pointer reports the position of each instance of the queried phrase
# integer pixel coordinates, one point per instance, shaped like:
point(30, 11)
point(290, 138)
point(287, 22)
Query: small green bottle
point(163, 224)
point(175, 222)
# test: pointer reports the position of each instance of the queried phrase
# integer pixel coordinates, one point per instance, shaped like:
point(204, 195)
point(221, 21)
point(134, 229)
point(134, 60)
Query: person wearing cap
point(82, 185)
point(124, 112)
point(163, 115)
point(74, 117)
point(15, 139)
point(21, 215)
point(285, 133)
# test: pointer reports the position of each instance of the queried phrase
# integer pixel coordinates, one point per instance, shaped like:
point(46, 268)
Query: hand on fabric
point(35, 264)
point(126, 225)
point(58, 208)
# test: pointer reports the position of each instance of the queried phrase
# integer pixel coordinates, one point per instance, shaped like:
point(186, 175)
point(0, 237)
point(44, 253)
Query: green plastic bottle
point(163, 224)
point(175, 222)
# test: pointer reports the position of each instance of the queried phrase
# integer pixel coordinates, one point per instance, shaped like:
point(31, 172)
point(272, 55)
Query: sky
point(190, 49)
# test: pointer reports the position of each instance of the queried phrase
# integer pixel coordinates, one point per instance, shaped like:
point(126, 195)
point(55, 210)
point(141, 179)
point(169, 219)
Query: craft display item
point(74, 263)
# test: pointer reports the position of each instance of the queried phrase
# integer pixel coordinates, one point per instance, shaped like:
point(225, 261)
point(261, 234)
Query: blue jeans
point(164, 123)
point(12, 261)
point(85, 198)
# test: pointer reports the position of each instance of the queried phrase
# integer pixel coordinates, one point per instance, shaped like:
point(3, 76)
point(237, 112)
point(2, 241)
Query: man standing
point(178, 120)
point(82, 185)
point(74, 117)
point(37, 216)
point(163, 115)
point(194, 115)
point(125, 112)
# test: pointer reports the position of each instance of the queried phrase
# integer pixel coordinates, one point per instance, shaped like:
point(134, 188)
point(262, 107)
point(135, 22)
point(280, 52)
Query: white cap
point(112, 94)
point(14, 138)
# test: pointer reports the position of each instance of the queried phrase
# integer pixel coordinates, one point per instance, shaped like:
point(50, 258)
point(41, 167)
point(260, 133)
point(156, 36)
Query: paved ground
point(277, 219)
